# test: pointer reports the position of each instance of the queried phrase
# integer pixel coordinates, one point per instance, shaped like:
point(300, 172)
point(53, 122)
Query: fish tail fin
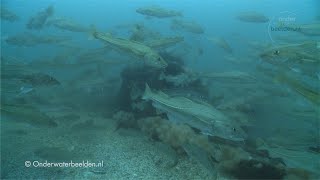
point(147, 92)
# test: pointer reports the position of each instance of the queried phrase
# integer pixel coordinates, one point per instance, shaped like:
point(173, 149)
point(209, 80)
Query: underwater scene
point(160, 89)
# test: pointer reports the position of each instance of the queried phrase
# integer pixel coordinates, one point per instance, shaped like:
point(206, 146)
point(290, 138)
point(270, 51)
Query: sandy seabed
point(126, 153)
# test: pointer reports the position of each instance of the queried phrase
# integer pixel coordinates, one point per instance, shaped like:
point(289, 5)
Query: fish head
point(276, 55)
point(269, 54)
point(155, 60)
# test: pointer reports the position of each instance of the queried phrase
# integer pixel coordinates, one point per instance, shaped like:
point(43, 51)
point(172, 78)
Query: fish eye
point(234, 129)
point(276, 52)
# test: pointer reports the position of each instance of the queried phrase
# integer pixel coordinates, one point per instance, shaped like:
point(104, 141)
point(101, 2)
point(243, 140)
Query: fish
point(25, 73)
point(222, 43)
point(252, 17)
point(310, 29)
point(149, 56)
point(40, 79)
point(140, 33)
point(180, 80)
point(189, 26)
point(157, 11)
point(67, 24)
point(295, 159)
point(298, 53)
point(8, 15)
point(194, 93)
point(288, 39)
point(38, 21)
point(302, 58)
point(30, 39)
point(162, 43)
point(28, 114)
point(198, 115)
point(231, 75)
point(92, 54)
point(310, 93)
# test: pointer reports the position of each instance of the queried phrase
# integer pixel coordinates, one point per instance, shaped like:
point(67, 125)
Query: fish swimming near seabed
point(149, 56)
point(29, 115)
point(301, 58)
point(201, 116)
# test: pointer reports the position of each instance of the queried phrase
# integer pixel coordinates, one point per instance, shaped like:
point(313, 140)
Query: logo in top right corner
point(283, 24)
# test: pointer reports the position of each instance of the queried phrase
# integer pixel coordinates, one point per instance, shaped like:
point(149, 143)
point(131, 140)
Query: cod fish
point(149, 56)
point(29, 115)
point(302, 58)
point(189, 26)
point(197, 115)
point(40, 79)
point(162, 43)
point(158, 12)
point(298, 53)
point(310, 93)
point(141, 33)
point(310, 29)
point(306, 160)
point(38, 21)
point(8, 15)
point(252, 17)
point(67, 24)
point(231, 75)
point(222, 43)
point(29, 39)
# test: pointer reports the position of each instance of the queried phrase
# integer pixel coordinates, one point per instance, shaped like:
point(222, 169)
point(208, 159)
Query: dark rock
point(253, 169)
